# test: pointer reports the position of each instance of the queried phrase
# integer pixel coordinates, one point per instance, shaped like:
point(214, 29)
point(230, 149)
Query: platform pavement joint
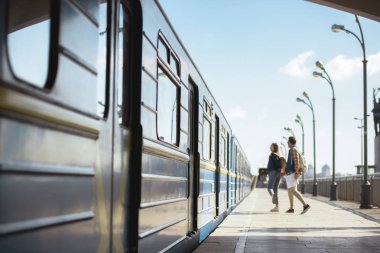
point(328, 227)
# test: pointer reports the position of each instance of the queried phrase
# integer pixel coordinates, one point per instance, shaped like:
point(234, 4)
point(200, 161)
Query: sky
point(257, 56)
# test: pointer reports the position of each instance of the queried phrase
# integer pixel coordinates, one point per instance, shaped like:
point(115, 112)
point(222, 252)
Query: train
point(110, 140)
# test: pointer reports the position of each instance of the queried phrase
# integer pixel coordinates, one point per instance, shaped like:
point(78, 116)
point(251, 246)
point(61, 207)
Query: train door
point(194, 157)
point(228, 171)
point(127, 131)
point(217, 160)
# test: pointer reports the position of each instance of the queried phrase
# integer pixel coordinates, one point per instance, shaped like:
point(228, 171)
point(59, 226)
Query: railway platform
point(334, 227)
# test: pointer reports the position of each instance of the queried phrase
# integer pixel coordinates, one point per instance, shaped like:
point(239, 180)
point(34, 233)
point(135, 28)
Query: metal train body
point(110, 140)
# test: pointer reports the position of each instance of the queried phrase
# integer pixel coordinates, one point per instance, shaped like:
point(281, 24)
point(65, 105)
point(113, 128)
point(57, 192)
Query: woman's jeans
point(273, 183)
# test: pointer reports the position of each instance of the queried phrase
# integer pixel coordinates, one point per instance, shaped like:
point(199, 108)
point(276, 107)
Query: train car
point(241, 177)
point(110, 140)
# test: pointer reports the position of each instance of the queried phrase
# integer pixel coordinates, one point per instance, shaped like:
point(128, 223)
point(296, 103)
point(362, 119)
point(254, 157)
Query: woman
point(275, 164)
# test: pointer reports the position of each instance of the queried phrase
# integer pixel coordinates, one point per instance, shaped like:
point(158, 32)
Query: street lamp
point(320, 65)
point(290, 131)
point(286, 141)
point(283, 145)
point(299, 121)
point(310, 105)
point(361, 136)
point(365, 201)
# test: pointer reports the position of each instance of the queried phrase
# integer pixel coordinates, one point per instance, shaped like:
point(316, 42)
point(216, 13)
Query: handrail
point(374, 175)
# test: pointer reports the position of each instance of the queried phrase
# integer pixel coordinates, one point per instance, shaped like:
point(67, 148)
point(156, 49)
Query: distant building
point(310, 171)
point(326, 171)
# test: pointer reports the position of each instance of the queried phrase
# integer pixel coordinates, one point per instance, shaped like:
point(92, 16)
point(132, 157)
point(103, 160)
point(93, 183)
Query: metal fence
point(349, 187)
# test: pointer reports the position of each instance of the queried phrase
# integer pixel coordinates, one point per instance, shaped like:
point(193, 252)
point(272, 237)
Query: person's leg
point(291, 198)
point(271, 183)
point(275, 189)
point(298, 195)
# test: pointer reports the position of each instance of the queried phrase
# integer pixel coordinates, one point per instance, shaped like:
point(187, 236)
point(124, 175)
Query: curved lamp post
point(310, 105)
point(283, 145)
point(299, 121)
point(328, 79)
point(286, 141)
point(290, 131)
point(365, 201)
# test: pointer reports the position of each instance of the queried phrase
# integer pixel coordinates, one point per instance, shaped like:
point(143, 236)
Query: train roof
point(190, 58)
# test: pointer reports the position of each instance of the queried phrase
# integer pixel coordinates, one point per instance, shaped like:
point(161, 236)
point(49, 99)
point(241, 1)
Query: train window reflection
point(102, 60)
point(223, 151)
point(167, 109)
point(28, 40)
point(174, 64)
point(163, 51)
point(122, 68)
point(206, 139)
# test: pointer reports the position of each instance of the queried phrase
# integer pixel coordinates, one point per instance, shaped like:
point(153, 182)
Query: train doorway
point(194, 157)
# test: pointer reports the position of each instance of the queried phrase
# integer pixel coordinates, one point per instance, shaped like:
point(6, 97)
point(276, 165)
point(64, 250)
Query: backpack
point(303, 162)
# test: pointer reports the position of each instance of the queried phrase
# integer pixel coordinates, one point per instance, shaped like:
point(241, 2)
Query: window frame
point(206, 119)
point(53, 50)
point(126, 68)
point(178, 92)
point(170, 52)
point(165, 67)
point(208, 115)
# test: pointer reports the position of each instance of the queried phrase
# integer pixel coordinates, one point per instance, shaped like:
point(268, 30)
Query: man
point(293, 172)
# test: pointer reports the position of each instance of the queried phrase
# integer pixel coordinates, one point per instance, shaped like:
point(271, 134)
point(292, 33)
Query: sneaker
point(290, 211)
point(306, 208)
point(274, 209)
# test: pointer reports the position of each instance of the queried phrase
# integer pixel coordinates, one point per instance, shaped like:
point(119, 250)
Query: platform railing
point(349, 187)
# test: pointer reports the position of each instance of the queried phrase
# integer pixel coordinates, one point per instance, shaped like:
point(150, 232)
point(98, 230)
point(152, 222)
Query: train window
point(28, 40)
point(122, 63)
point(228, 150)
point(206, 139)
point(102, 60)
point(167, 109)
point(163, 50)
point(174, 64)
point(223, 151)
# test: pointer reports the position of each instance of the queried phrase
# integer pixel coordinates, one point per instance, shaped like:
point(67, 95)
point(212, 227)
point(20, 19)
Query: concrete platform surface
point(325, 228)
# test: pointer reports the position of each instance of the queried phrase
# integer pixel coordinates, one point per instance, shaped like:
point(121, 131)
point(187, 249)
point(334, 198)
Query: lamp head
point(300, 100)
point(320, 65)
point(337, 28)
point(297, 120)
point(305, 94)
point(317, 74)
point(356, 118)
point(298, 116)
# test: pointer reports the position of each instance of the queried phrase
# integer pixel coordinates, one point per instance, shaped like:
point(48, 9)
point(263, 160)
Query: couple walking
point(291, 170)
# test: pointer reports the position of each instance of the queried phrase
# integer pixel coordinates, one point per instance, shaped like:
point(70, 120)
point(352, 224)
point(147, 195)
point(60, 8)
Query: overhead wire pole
point(361, 139)
point(333, 186)
point(365, 200)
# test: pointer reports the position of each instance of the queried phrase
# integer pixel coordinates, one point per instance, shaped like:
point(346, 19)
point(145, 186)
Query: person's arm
point(283, 166)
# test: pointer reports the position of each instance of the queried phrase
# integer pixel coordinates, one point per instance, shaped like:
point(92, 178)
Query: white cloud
point(236, 113)
point(342, 67)
point(296, 66)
